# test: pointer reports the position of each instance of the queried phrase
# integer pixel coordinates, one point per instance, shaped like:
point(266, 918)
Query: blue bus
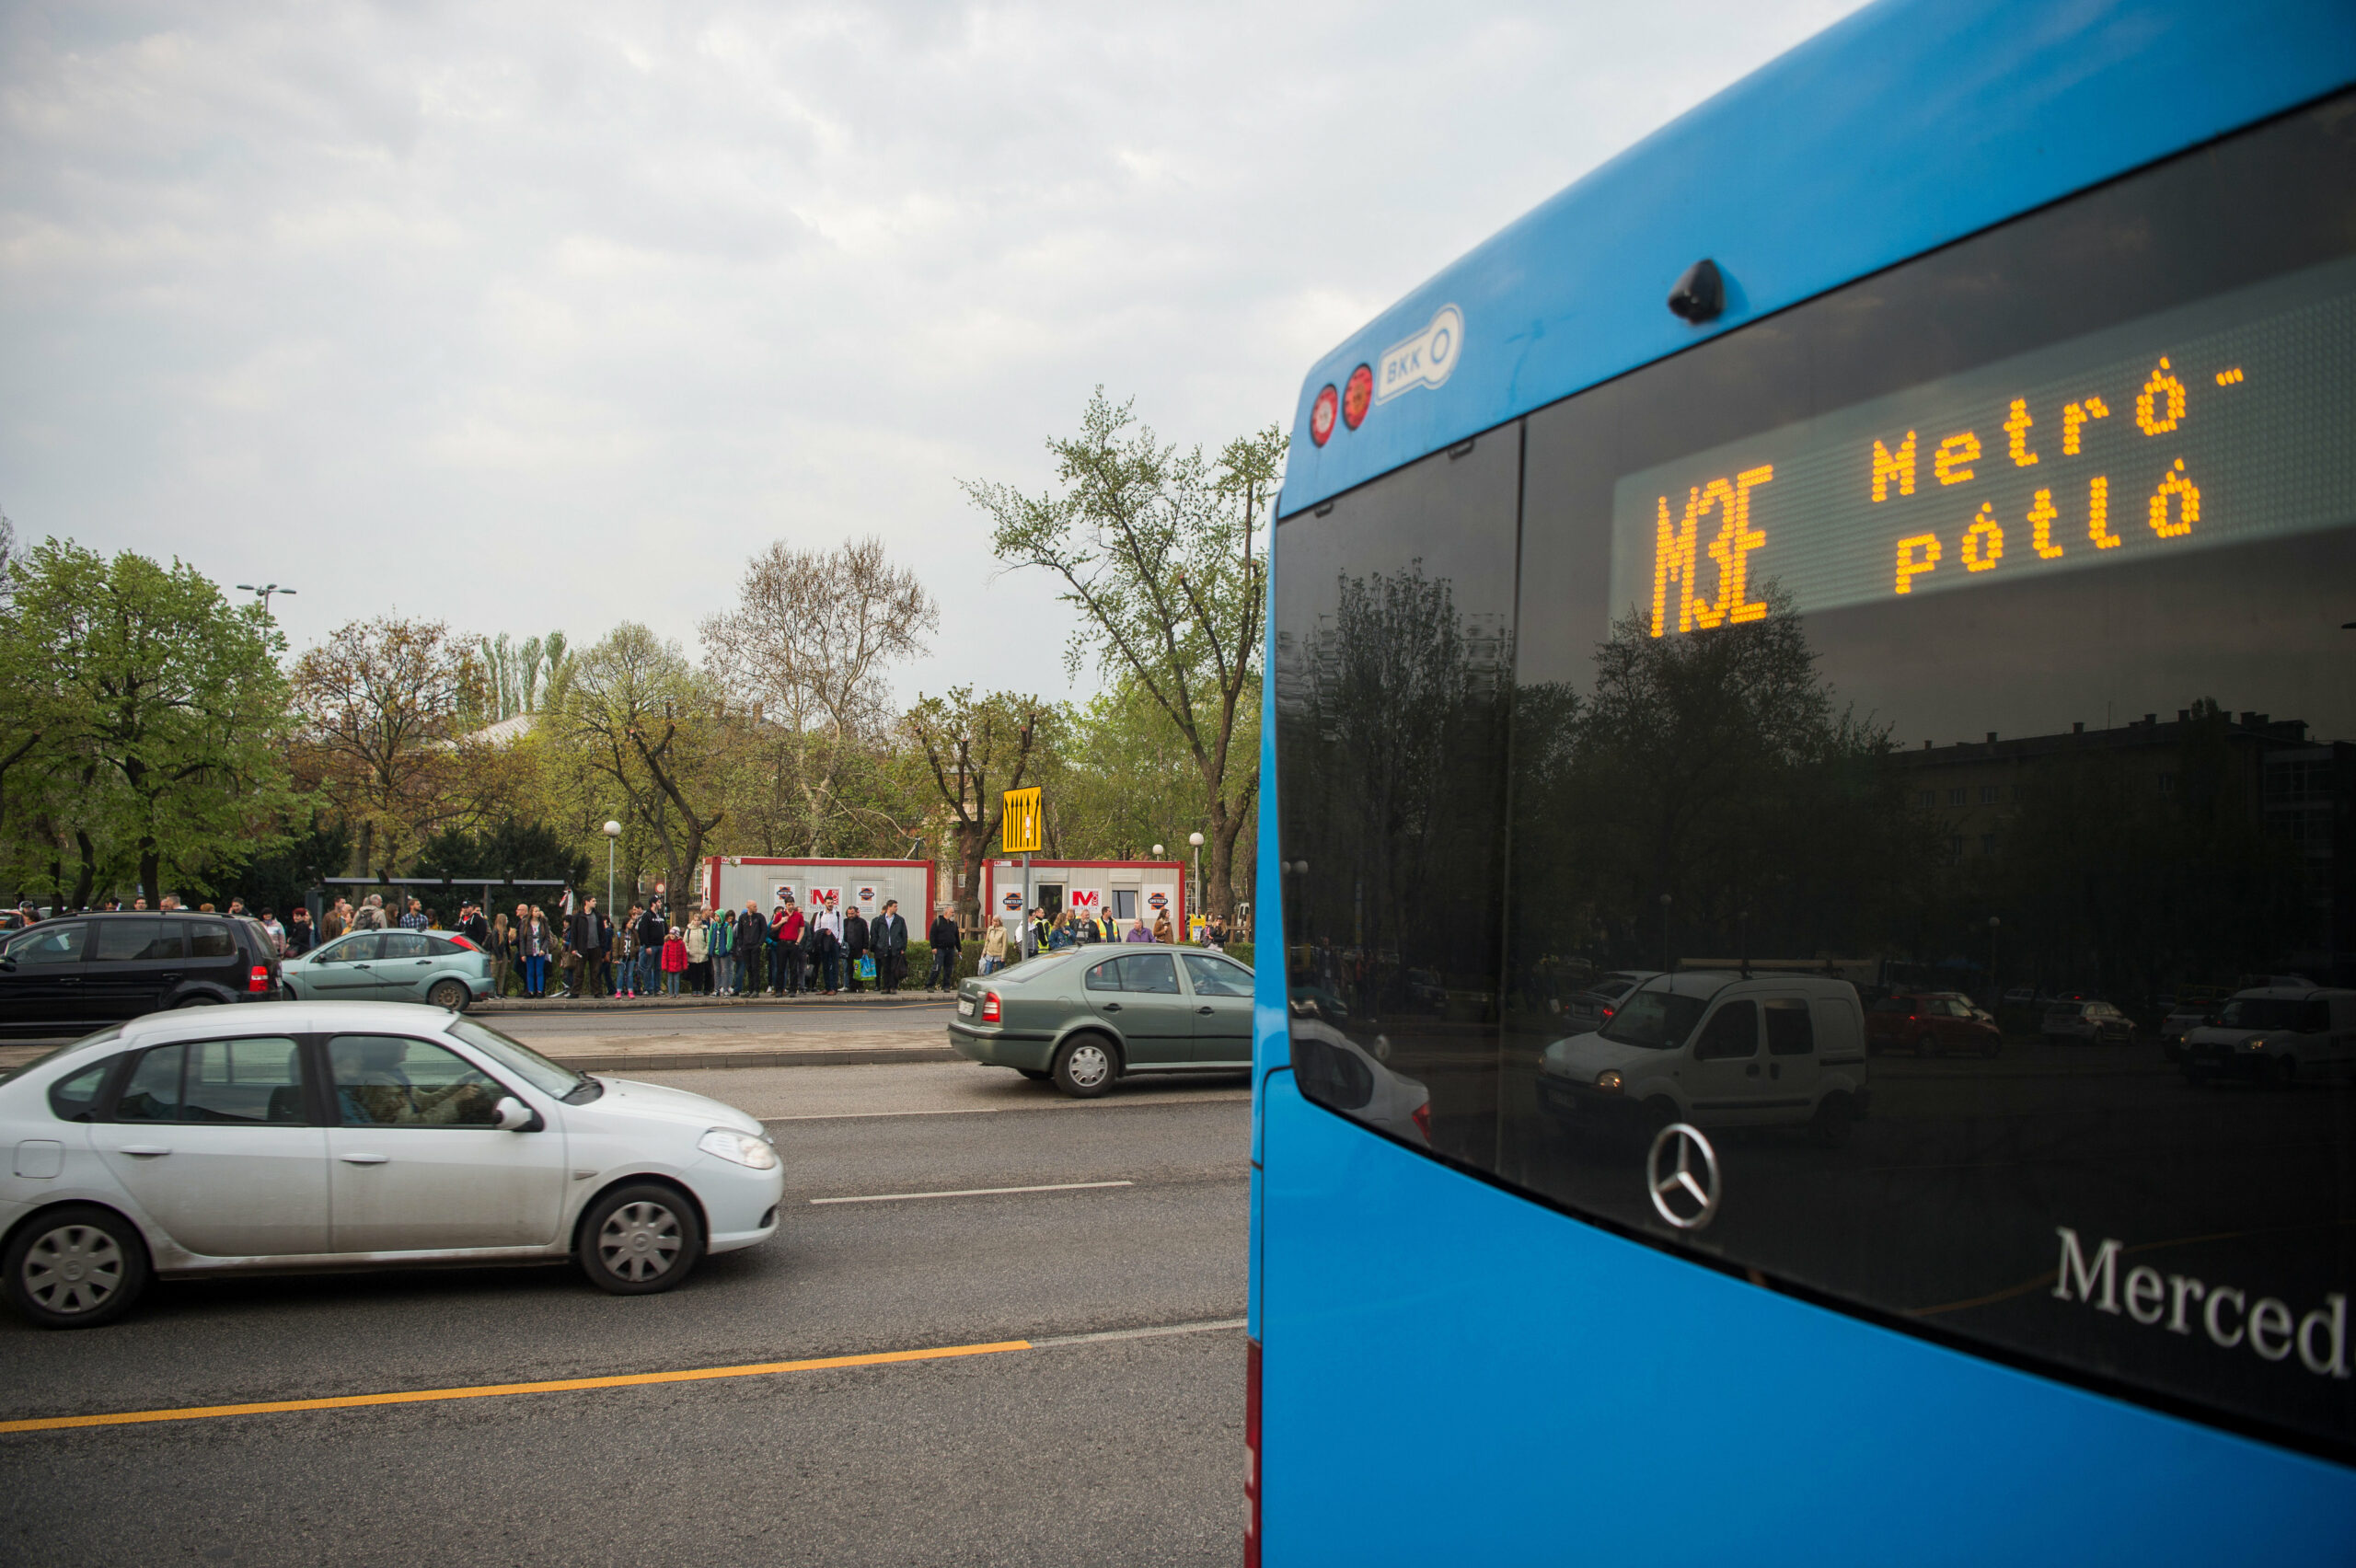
point(1808, 867)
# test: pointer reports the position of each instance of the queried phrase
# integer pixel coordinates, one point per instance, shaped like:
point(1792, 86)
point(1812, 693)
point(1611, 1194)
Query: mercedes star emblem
point(1692, 1150)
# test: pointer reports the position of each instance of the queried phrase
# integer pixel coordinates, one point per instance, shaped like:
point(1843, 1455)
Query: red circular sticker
point(1359, 397)
point(1321, 418)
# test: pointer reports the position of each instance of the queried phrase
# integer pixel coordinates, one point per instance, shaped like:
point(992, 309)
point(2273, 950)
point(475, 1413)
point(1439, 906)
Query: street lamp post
point(1994, 994)
point(1664, 933)
point(1195, 904)
point(612, 831)
point(264, 591)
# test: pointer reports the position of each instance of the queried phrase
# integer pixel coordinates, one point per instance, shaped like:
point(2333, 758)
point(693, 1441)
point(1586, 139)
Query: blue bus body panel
point(1453, 1374)
point(1908, 125)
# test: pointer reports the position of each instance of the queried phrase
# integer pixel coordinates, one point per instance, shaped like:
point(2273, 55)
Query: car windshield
point(109, 1032)
point(1660, 1020)
point(1608, 989)
point(526, 1063)
point(2262, 1012)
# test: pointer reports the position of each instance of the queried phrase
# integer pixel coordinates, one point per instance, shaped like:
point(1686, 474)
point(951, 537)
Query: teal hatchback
point(1089, 1016)
point(392, 966)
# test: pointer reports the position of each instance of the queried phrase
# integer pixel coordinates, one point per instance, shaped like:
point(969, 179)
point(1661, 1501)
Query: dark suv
point(70, 976)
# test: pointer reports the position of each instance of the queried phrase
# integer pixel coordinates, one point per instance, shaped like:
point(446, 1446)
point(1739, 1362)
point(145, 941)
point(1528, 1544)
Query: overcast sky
point(530, 316)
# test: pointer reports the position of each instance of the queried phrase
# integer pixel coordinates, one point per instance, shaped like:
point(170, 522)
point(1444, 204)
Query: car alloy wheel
point(1084, 1067)
point(77, 1268)
point(1927, 1047)
point(638, 1241)
point(450, 995)
point(641, 1238)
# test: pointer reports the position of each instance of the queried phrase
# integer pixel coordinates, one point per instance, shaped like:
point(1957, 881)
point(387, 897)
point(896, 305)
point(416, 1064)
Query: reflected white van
point(1715, 1048)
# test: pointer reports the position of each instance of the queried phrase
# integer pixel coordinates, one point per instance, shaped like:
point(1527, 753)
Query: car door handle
point(1205, 1009)
point(169, 975)
point(147, 1151)
point(365, 1158)
point(360, 966)
point(69, 979)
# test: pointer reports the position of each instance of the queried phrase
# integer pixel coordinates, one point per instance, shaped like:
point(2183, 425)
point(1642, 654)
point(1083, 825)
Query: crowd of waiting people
point(825, 951)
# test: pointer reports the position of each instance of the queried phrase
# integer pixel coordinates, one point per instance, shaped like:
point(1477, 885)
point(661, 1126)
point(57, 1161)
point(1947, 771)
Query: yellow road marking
point(493, 1390)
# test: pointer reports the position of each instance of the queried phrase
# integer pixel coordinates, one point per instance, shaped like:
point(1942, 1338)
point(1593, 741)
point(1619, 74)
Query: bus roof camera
point(1700, 295)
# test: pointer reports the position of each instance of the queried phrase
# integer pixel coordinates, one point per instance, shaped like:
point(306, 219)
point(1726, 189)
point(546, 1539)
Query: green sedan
point(1093, 1014)
point(391, 967)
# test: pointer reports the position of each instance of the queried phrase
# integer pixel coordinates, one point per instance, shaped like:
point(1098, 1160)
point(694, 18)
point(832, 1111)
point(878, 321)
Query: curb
point(691, 1061)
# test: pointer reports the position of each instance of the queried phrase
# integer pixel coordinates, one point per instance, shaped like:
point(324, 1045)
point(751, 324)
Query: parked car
point(2186, 1013)
point(1593, 1008)
point(317, 1137)
point(1718, 1050)
point(1931, 1025)
point(1087, 1017)
point(2276, 1035)
point(70, 975)
point(2093, 1024)
point(393, 966)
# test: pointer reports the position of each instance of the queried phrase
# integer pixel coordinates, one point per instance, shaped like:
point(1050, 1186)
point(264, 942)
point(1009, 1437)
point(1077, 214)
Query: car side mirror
point(7, 965)
point(515, 1116)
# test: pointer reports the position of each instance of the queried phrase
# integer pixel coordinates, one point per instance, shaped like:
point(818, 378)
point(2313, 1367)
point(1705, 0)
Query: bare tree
point(810, 641)
point(649, 724)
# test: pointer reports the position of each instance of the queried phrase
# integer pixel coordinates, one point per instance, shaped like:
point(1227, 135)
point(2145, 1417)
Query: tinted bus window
point(1969, 635)
point(1393, 669)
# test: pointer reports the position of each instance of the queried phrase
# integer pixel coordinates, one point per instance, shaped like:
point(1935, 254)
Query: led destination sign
point(2227, 421)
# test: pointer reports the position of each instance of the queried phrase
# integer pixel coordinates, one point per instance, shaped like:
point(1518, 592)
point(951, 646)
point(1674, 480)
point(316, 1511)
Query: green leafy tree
point(974, 749)
point(160, 720)
point(1155, 547)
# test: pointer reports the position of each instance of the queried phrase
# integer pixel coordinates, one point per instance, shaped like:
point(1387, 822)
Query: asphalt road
point(1122, 1449)
point(752, 1018)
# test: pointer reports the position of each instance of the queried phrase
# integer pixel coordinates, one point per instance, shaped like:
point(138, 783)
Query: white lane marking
point(1139, 1334)
point(973, 1193)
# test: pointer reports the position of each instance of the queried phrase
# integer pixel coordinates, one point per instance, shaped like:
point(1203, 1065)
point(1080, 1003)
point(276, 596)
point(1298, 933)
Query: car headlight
point(742, 1147)
point(1608, 1081)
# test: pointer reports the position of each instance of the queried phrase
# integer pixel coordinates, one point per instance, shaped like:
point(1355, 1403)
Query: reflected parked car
point(2276, 1035)
point(1717, 1049)
point(1931, 1025)
point(1593, 1008)
point(1087, 1017)
point(392, 966)
point(1337, 1072)
point(310, 1136)
point(2089, 1023)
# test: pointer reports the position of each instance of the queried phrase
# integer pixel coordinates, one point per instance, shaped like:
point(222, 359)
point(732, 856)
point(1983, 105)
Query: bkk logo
point(1426, 359)
point(2223, 1312)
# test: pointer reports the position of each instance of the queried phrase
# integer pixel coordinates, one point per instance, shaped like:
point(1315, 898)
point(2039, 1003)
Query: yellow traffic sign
point(1019, 832)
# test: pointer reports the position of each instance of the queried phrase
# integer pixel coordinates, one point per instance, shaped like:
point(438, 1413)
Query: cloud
point(541, 315)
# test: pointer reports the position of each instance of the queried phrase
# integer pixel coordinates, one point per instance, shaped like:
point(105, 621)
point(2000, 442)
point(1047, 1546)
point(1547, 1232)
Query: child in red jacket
point(675, 962)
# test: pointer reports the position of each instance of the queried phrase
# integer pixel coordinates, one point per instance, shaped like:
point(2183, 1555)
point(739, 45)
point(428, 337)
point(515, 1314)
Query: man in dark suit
point(890, 935)
point(855, 942)
point(946, 939)
point(585, 940)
